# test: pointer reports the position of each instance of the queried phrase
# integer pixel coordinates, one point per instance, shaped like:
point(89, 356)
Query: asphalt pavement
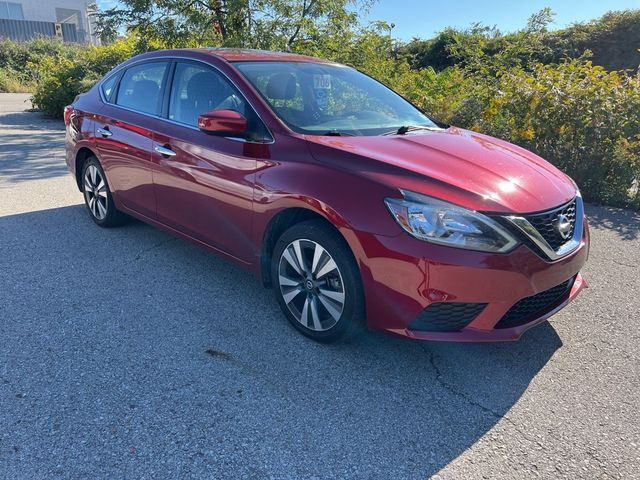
point(128, 353)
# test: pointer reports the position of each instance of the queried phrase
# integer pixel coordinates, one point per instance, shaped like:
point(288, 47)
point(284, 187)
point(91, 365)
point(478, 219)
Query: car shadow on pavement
point(129, 339)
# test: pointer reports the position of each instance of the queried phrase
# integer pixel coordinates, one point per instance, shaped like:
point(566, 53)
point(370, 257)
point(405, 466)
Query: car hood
point(471, 169)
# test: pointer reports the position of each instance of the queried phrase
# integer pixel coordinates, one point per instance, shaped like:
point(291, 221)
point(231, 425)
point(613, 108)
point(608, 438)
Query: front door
point(204, 182)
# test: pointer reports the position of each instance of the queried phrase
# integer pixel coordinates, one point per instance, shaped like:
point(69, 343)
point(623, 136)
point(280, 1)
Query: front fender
point(346, 199)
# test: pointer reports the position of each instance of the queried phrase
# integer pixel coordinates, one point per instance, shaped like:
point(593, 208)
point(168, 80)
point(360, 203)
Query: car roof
point(248, 55)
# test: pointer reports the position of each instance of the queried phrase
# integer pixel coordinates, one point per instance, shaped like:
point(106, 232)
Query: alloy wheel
point(95, 192)
point(311, 285)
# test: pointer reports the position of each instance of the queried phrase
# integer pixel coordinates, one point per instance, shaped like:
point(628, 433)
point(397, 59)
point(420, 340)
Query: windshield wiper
point(336, 133)
point(404, 129)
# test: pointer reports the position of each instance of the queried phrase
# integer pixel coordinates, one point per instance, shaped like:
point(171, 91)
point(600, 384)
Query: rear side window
point(108, 87)
point(140, 87)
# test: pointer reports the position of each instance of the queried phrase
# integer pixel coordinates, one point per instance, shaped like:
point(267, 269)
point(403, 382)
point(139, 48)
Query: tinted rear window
point(140, 87)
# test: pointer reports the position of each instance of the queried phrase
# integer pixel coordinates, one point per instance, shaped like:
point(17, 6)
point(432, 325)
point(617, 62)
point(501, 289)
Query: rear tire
point(317, 282)
point(97, 195)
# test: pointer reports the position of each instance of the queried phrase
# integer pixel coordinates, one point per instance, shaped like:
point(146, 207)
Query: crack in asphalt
point(464, 396)
point(611, 350)
point(622, 264)
point(460, 394)
point(453, 390)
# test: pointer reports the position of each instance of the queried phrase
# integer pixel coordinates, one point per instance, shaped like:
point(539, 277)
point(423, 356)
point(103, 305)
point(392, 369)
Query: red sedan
point(350, 202)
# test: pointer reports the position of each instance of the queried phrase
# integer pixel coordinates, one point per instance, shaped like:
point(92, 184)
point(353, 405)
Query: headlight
point(440, 222)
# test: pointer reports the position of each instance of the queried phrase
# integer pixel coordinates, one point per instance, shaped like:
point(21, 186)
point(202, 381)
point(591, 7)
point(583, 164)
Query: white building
point(23, 14)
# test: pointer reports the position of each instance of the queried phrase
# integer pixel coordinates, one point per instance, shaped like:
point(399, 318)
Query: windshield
point(322, 99)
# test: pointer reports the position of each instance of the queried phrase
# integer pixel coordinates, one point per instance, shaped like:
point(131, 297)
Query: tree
point(281, 24)
point(539, 21)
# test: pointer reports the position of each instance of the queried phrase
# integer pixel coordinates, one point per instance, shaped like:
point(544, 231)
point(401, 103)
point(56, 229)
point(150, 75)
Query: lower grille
point(446, 317)
point(532, 307)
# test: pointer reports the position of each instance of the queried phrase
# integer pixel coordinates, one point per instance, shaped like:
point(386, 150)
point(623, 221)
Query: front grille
point(547, 224)
point(446, 317)
point(533, 307)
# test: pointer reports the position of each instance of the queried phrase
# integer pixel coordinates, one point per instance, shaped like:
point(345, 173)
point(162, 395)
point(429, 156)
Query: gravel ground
point(127, 353)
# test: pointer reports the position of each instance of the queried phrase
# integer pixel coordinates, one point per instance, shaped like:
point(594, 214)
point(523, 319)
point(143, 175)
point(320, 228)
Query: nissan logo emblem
point(564, 226)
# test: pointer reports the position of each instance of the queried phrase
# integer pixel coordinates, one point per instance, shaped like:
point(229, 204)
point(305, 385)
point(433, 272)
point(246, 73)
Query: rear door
point(204, 182)
point(124, 134)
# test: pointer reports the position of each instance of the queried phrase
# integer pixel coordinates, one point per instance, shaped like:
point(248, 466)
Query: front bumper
point(404, 276)
point(471, 334)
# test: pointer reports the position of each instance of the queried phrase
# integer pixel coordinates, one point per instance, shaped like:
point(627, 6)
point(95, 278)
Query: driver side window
point(196, 89)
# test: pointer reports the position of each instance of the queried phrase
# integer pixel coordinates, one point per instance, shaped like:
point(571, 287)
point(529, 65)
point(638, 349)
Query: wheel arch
point(81, 157)
point(285, 219)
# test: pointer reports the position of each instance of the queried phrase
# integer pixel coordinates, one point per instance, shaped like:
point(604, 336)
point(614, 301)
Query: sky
point(424, 18)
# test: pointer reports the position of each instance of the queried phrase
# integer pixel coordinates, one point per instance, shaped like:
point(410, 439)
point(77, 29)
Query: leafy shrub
point(21, 60)
point(612, 39)
point(10, 82)
point(578, 116)
point(62, 77)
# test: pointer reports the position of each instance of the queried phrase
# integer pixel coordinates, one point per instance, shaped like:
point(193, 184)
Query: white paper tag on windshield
point(321, 82)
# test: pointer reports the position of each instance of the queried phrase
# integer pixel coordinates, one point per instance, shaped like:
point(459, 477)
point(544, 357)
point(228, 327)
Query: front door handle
point(167, 152)
point(104, 132)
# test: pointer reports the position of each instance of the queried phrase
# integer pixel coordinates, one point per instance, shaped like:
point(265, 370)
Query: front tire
point(317, 282)
point(97, 195)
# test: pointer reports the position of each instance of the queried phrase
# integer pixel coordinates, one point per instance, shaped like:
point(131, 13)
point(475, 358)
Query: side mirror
point(227, 122)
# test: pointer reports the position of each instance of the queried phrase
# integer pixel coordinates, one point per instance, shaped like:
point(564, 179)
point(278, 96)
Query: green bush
point(21, 61)
point(612, 39)
point(580, 117)
point(62, 77)
point(10, 82)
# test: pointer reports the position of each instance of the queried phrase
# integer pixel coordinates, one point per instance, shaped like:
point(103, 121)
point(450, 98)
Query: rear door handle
point(104, 132)
point(167, 152)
